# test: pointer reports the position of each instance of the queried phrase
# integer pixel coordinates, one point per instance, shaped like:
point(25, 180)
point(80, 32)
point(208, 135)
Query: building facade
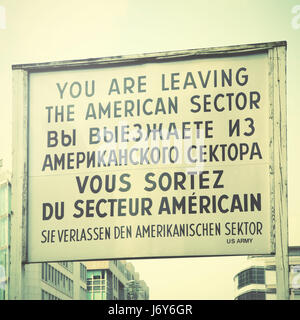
point(42, 281)
point(257, 279)
point(55, 281)
point(93, 280)
point(136, 290)
point(111, 280)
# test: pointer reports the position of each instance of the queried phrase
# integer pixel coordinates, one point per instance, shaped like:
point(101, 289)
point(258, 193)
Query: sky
point(40, 31)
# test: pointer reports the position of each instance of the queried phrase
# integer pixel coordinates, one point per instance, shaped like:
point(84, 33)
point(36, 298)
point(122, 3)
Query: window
point(48, 296)
point(96, 285)
point(56, 279)
point(253, 295)
point(43, 270)
point(67, 265)
point(46, 271)
point(82, 272)
point(52, 274)
point(49, 272)
point(250, 276)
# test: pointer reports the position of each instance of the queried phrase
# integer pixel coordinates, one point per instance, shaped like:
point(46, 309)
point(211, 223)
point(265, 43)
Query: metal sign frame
point(278, 144)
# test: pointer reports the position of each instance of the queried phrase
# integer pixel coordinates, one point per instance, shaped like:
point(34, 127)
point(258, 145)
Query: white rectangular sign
point(152, 159)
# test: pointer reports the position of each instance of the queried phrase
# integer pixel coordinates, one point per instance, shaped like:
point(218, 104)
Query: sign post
point(19, 185)
point(158, 155)
point(277, 57)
